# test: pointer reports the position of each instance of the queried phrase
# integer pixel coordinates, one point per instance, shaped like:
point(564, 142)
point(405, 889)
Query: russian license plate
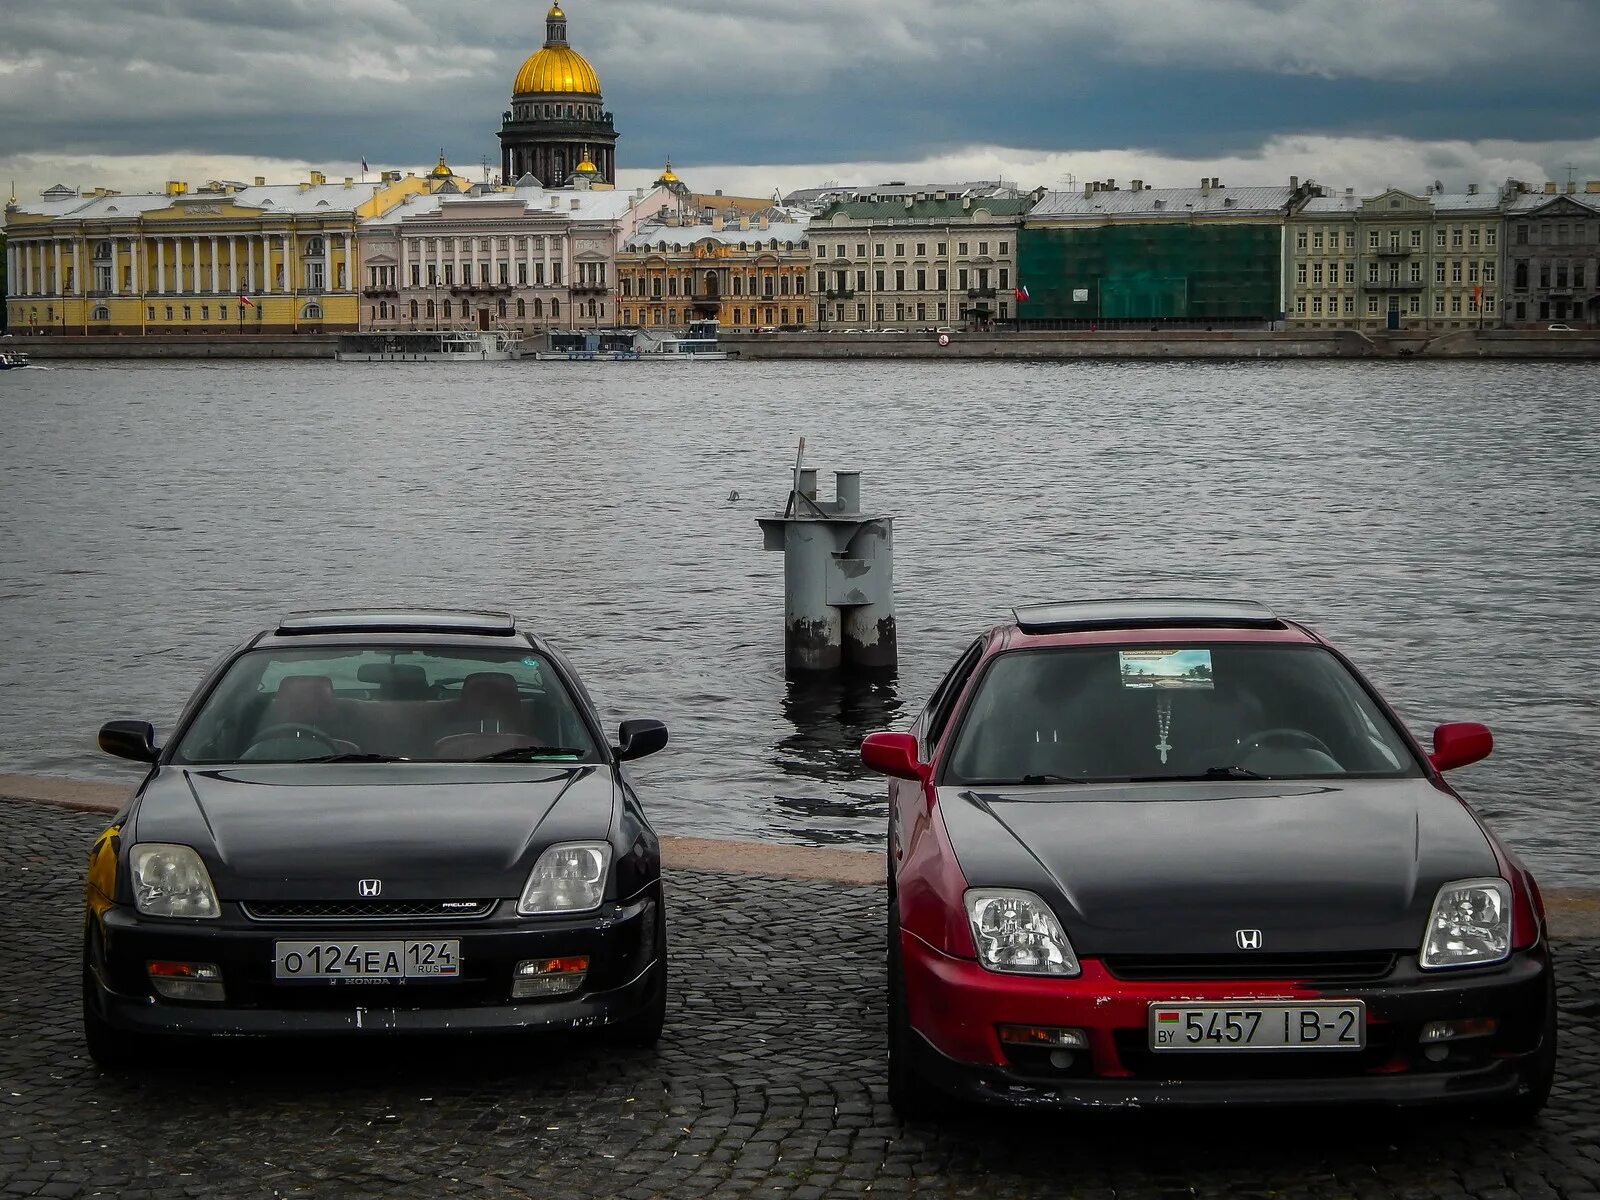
point(438, 959)
point(1273, 1025)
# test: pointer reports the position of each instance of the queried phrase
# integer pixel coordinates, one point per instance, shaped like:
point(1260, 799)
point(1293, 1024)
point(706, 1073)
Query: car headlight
point(1470, 924)
point(1017, 933)
point(171, 881)
point(570, 877)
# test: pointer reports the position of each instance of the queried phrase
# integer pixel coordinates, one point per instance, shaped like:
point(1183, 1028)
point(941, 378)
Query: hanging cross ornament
point(1163, 724)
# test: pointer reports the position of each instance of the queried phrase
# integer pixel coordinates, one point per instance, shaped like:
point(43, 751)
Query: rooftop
point(1162, 202)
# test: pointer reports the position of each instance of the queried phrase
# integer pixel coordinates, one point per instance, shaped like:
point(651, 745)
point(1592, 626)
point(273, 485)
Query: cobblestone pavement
point(768, 1083)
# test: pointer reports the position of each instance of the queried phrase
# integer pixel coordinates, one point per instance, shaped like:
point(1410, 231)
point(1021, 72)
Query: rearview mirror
point(1460, 743)
point(129, 739)
point(893, 754)
point(639, 737)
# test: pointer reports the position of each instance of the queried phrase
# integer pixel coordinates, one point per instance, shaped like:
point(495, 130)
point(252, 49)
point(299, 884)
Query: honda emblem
point(368, 888)
point(1248, 939)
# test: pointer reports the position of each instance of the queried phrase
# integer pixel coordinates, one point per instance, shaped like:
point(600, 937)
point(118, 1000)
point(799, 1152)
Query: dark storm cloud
point(820, 80)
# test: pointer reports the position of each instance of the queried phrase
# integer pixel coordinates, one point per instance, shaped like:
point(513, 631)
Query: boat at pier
point(697, 344)
point(440, 345)
point(13, 360)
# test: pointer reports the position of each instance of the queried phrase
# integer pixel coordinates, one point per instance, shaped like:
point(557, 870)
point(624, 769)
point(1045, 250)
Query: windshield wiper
point(1050, 779)
point(529, 754)
point(349, 758)
point(1208, 773)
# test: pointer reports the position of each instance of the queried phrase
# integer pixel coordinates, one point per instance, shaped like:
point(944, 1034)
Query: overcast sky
point(753, 95)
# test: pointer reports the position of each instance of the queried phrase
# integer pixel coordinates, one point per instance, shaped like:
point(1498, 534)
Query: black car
point(378, 822)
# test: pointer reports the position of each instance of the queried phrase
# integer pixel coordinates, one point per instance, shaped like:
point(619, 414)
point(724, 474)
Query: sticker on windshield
point(1165, 668)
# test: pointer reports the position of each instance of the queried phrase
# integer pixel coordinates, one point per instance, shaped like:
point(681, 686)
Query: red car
point(1180, 852)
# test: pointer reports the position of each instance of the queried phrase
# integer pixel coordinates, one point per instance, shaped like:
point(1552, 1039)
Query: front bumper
point(621, 942)
point(955, 1007)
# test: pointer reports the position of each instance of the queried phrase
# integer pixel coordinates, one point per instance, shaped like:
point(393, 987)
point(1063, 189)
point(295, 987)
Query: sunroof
point(399, 620)
point(1146, 614)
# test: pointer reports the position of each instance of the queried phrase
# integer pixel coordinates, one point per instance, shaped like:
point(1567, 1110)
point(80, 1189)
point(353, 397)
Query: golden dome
point(586, 167)
point(441, 171)
point(556, 69)
point(668, 176)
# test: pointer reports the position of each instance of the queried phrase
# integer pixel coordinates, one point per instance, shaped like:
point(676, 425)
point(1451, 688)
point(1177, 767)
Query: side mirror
point(893, 754)
point(637, 738)
point(1460, 743)
point(129, 739)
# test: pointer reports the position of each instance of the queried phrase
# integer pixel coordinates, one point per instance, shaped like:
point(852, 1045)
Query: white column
point(455, 260)
point(194, 265)
point(566, 260)
point(56, 245)
point(136, 263)
point(349, 263)
point(288, 267)
point(233, 265)
point(11, 265)
point(116, 262)
point(177, 265)
point(216, 282)
point(82, 288)
point(527, 256)
point(266, 263)
point(249, 264)
point(544, 246)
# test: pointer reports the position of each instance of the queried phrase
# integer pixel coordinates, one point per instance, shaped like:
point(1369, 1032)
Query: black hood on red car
point(1178, 868)
point(433, 831)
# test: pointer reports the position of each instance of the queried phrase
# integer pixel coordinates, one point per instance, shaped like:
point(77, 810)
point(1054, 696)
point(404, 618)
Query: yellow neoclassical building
point(218, 258)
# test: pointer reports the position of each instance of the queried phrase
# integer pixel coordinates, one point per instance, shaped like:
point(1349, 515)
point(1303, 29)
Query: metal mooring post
point(838, 576)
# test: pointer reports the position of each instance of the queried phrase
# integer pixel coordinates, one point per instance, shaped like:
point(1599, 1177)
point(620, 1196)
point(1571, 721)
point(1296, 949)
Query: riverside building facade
point(524, 258)
point(898, 257)
point(1552, 257)
point(1395, 261)
point(745, 272)
point(1138, 256)
point(221, 258)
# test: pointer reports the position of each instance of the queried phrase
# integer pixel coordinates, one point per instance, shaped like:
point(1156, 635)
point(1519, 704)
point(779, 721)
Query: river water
point(1440, 521)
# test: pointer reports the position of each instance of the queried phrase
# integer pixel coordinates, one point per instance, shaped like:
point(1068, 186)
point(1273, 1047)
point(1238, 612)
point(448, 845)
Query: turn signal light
point(1457, 1030)
point(536, 978)
point(1053, 1036)
point(186, 980)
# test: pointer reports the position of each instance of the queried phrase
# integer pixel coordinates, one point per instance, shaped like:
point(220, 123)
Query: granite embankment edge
point(1574, 912)
point(1037, 345)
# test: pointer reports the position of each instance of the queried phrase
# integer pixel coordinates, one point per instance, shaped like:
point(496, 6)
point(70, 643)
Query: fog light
point(1043, 1035)
point(1458, 1030)
point(186, 980)
point(1062, 1059)
point(535, 978)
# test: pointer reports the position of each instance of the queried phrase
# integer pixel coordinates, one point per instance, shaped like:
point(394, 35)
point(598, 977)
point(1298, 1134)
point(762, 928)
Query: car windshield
point(388, 703)
point(1195, 711)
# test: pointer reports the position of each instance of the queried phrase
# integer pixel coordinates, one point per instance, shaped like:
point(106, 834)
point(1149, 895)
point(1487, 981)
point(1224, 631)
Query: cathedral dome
point(557, 69)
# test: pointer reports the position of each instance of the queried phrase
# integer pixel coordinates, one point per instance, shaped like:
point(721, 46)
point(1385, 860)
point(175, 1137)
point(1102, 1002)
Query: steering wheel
point(1285, 737)
point(293, 729)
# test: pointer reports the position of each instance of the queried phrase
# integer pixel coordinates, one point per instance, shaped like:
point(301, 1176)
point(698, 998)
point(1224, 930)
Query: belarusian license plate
point(437, 959)
point(1270, 1025)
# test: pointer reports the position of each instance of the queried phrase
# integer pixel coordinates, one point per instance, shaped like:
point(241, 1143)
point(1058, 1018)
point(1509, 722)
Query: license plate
point(364, 960)
point(1264, 1026)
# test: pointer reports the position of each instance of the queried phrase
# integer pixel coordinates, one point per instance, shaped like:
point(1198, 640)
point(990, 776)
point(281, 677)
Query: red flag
point(245, 302)
point(1021, 294)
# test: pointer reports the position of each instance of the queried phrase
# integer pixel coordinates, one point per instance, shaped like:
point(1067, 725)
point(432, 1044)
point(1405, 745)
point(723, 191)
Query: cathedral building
point(557, 121)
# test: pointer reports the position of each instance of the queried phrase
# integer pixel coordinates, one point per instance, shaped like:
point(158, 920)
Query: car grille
point(366, 910)
point(1308, 968)
point(1136, 1056)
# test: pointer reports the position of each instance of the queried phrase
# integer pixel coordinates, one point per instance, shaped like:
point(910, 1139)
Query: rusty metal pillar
point(838, 576)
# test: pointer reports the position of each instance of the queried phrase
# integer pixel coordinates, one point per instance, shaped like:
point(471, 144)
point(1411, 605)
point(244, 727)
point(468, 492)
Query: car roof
point(398, 620)
point(1078, 622)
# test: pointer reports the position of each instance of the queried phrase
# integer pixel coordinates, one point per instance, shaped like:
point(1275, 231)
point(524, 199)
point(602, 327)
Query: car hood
point(1178, 868)
point(428, 831)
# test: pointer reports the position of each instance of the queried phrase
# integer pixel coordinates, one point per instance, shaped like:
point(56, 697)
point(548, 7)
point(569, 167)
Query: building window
point(1372, 272)
point(1472, 238)
point(1416, 272)
point(1350, 305)
point(861, 313)
point(1455, 304)
point(555, 308)
point(1414, 306)
point(447, 310)
point(1438, 306)
point(427, 310)
point(169, 312)
point(1349, 272)
point(311, 312)
point(1372, 306)
point(101, 313)
point(1316, 241)
point(1455, 271)
point(1372, 239)
point(922, 249)
point(205, 312)
point(1438, 271)
point(899, 249)
point(186, 313)
point(1300, 306)
point(1316, 306)
point(1439, 236)
point(1300, 270)
point(1491, 237)
point(1416, 239)
point(413, 310)
point(961, 248)
point(1005, 277)
point(900, 281)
